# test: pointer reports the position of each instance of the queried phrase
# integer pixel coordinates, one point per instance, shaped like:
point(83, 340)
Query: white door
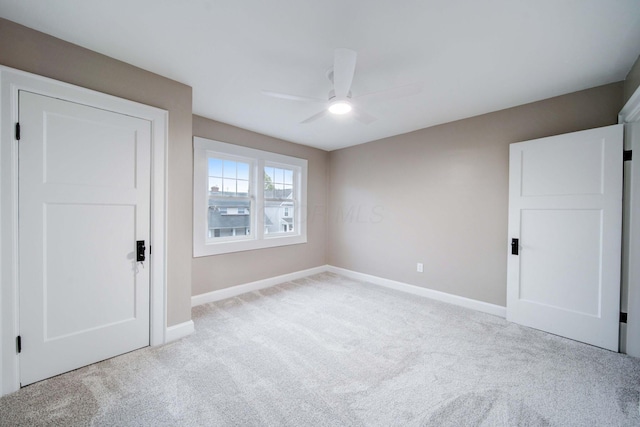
point(84, 202)
point(565, 209)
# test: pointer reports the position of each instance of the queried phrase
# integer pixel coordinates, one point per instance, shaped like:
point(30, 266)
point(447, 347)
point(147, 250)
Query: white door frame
point(11, 81)
point(630, 113)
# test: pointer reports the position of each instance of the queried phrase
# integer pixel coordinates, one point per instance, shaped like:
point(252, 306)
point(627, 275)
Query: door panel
point(572, 236)
point(565, 207)
point(546, 171)
point(82, 276)
point(84, 201)
point(73, 158)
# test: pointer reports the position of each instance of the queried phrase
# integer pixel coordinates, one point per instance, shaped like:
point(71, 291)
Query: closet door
point(84, 203)
point(565, 225)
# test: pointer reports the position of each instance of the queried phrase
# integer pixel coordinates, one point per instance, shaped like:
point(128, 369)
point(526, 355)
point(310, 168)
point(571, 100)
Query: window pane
point(228, 177)
point(229, 169)
point(243, 171)
point(243, 188)
point(215, 167)
point(268, 182)
point(229, 187)
point(269, 174)
point(278, 217)
point(278, 183)
point(227, 217)
point(288, 176)
point(215, 184)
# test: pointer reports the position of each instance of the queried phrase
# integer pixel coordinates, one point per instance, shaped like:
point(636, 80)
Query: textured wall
point(440, 195)
point(25, 49)
point(221, 271)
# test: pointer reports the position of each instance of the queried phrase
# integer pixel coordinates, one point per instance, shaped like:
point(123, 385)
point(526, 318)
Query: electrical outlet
point(420, 268)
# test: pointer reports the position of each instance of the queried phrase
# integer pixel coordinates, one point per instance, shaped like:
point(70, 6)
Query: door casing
point(630, 332)
point(11, 81)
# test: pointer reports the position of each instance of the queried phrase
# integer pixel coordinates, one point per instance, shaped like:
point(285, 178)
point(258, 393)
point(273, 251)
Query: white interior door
point(84, 201)
point(565, 207)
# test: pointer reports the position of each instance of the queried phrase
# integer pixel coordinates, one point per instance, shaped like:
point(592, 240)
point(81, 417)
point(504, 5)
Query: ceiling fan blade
point(291, 97)
point(315, 117)
point(344, 66)
point(362, 116)
point(389, 94)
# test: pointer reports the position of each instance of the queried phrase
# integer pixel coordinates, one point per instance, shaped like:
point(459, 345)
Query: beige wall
point(632, 82)
point(439, 195)
point(221, 271)
point(35, 52)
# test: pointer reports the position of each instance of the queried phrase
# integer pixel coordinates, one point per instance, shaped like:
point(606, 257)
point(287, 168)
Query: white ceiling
point(470, 57)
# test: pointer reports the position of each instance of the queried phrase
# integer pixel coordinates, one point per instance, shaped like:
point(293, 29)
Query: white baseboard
point(253, 286)
point(233, 291)
point(178, 331)
point(473, 304)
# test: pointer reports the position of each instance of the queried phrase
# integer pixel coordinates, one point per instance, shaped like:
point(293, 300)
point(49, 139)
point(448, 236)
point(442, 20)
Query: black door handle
point(140, 251)
point(514, 246)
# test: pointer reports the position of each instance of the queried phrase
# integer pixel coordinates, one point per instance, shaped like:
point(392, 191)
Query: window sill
point(269, 241)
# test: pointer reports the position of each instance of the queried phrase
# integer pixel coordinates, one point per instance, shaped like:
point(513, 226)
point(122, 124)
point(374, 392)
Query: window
point(246, 199)
point(279, 199)
point(229, 180)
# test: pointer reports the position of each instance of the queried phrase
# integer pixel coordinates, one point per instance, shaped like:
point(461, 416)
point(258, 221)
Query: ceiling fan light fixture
point(340, 107)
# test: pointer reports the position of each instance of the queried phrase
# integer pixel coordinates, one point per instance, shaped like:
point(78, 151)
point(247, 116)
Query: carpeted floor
point(330, 351)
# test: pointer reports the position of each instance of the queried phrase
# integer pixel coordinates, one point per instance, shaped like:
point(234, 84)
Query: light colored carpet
point(329, 351)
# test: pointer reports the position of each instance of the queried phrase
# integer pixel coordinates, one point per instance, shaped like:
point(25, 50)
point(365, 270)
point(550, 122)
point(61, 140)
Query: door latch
point(514, 246)
point(141, 248)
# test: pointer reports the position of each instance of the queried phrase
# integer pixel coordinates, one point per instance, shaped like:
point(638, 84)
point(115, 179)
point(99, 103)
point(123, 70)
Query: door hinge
point(626, 155)
point(623, 317)
point(18, 344)
point(17, 131)
point(150, 249)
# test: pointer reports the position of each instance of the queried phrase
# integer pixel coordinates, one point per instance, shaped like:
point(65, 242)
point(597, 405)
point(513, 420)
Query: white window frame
point(202, 246)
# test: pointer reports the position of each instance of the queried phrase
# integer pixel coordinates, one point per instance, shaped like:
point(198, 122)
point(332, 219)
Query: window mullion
point(259, 195)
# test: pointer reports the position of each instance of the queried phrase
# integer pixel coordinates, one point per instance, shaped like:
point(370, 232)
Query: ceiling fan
point(340, 100)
